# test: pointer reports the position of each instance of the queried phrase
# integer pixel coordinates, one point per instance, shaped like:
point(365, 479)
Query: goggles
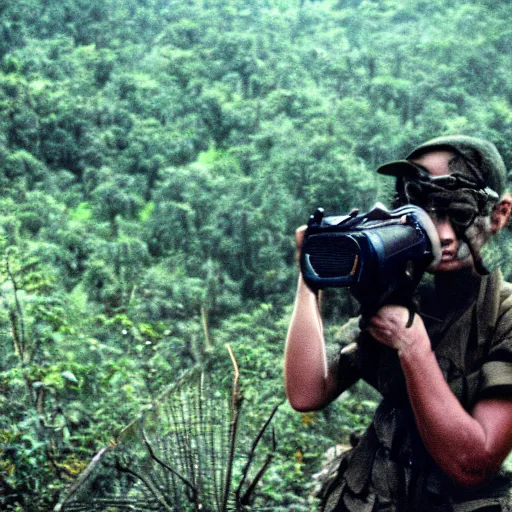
point(452, 196)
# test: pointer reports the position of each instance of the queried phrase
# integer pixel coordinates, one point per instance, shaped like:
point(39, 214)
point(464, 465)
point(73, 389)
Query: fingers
point(390, 316)
point(388, 325)
point(299, 236)
point(299, 241)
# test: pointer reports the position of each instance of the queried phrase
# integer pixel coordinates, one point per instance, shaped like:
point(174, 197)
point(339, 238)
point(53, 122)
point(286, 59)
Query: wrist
point(414, 342)
point(305, 289)
point(411, 353)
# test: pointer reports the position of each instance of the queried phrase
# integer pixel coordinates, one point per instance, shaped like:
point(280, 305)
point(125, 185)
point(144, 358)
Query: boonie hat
point(484, 163)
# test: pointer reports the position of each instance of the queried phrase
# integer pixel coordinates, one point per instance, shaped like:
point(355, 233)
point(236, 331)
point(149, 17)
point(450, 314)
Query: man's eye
point(462, 217)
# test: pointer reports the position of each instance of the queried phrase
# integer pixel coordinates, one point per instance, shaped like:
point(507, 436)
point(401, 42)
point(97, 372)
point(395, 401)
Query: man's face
point(455, 253)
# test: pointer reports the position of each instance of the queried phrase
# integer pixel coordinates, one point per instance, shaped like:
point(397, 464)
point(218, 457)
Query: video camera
point(381, 255)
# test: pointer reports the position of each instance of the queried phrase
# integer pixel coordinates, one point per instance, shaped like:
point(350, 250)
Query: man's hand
point(299, 241)
point(388, 326)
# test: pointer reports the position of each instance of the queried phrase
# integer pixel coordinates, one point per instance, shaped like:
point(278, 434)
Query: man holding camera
point(444, 426)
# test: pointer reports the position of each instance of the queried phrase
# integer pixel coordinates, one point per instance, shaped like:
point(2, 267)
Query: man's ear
point(501, 213)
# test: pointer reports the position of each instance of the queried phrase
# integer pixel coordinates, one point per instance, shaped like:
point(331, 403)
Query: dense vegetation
point(155, 159)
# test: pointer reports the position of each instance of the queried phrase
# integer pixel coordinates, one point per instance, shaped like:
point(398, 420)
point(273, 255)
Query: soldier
point(444, 426)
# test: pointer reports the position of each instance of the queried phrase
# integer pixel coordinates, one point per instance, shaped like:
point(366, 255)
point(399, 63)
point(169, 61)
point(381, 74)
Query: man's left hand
point(389, 326)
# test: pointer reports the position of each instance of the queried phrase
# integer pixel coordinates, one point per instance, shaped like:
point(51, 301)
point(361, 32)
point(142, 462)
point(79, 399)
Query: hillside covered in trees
point(156, 157)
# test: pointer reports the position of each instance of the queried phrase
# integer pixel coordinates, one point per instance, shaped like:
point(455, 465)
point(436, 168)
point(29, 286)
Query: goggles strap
point(468, 201)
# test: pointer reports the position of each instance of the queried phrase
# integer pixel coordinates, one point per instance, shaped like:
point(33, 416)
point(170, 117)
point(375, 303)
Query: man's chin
point(452, 264)
point(453, 261)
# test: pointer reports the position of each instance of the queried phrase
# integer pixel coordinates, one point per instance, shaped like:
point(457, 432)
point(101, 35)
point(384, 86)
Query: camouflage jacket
point(469, 321)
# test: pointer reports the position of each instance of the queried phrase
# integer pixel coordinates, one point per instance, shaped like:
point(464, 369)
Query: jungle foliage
point(155, 159)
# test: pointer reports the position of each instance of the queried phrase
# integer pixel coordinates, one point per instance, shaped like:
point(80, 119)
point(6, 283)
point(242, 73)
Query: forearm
point(462, 444)
point(306, 373)
point(455, 440)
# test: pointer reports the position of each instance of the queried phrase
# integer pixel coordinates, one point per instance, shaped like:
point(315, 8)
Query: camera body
point(381, 255)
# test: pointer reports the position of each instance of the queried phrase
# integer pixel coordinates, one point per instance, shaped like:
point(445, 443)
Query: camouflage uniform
point(469, 321)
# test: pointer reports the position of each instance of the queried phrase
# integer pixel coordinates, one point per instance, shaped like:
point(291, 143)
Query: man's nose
point(445, 231)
